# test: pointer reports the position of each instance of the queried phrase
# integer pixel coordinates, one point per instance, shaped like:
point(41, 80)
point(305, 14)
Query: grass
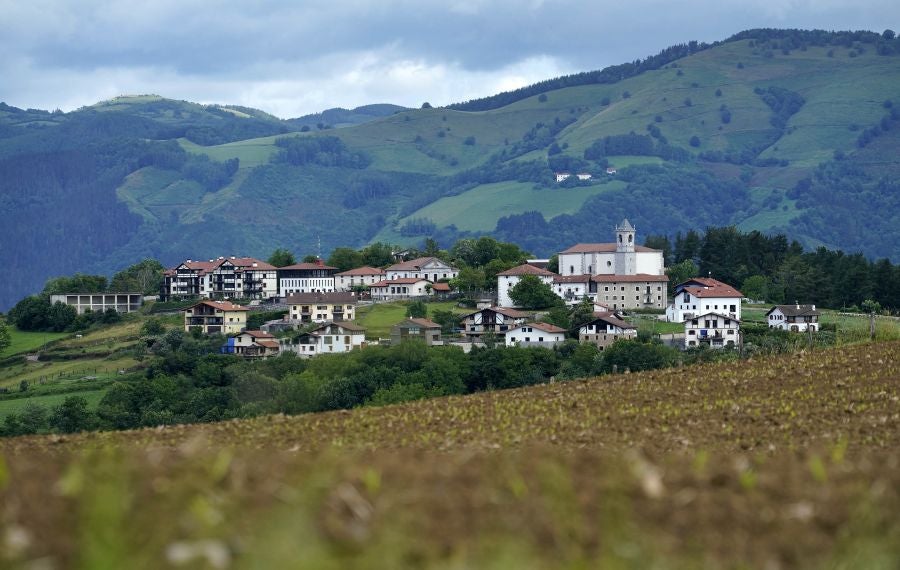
point(479, 209)
point(380, 317)
point(26, 341)
point(16, 405)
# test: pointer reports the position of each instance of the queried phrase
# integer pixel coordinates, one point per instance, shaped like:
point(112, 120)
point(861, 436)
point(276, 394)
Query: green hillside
point(776, 130)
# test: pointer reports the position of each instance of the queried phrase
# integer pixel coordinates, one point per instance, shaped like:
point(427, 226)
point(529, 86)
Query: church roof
point(625, 226)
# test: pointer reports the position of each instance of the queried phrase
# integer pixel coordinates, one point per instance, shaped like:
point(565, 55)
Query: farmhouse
point(429, 268)
point(321, 307)
point(306, 278)
point(252, 344)
point(214, 317)
point(330, 338)
point(794, 318)
point(495, 320)
point(711, 329)
point(400, 288)
point(605, 329)
point(535, 334)
point(359, 278)
point(421, 329)
point(508, 279)
point(702, 295)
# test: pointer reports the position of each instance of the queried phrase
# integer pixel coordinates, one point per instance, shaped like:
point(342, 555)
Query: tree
point(426, 105)
point(311, 258)
point(282, 258)
point(5, 338)
point(345, 258)
point(582, 313)
point(756, 287)
point(60, 316)
point(681, 272)
point(30, 314)
point(695, 141)
point(145, 277)
point(78, 283)
point(532, 293)
point(446, 318)
point(72, 415)
point(417, 310)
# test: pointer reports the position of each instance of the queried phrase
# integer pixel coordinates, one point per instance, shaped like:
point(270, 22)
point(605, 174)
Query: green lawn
point(24, 341)
point(479, 208)
point(16, 405)
point(379, 318)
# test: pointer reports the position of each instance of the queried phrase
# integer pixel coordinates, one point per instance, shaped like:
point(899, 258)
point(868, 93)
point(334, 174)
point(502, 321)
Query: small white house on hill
point(711, 329)
point(535, 334)
point(794, 318)
point(508, 279)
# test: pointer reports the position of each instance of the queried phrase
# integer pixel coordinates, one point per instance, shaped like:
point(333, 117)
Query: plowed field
point(788, 462)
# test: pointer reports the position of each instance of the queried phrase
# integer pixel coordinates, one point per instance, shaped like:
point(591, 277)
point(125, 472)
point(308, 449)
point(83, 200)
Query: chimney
point(796, 302)
point(813, 307)
point(319, 262)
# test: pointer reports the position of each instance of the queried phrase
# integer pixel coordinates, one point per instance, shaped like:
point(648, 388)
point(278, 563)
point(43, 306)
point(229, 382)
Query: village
point(616, 279)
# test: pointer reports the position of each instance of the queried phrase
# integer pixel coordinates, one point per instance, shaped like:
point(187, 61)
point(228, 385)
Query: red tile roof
point(222, 305)
point(441, 287)
point(399, 281)
point(639, 278)
point(414, 264)
point(525, 269)
point(546, 327)
point(268, 343)
point(259, 334)
point(612, 320)
point(602, 248)
point(572, 278)
point(424, 323)
point(366, 270)
point(334, 298)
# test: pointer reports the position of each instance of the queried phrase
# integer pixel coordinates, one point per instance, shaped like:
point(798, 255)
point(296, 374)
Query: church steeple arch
point(625, 237)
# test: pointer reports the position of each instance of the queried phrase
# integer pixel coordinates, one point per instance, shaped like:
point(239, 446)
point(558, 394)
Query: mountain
point(777, 130)
point(340, 117)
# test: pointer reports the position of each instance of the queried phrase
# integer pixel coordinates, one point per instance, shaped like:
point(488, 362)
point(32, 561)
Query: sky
point(292, 58)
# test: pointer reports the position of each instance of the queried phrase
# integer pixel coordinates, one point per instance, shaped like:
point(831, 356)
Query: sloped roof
point(603, 248)
point(713, 314)
point(365, 270)
point(609, 318)
point(546, 327)
point(350, 326)
point(258, 334)
point(415, 264)
point(335, 298)
point(399, 281)
point(424, 323)
point(572, 278)
point(268, 343)
point(511, 313)
point(525, 269)
point(625, 226)
point(221, 305)
point(707, 287)
point(441, 287)
point(795, 310)
point(301, 266)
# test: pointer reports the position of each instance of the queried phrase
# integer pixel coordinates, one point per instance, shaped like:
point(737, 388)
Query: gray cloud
point(291, 58)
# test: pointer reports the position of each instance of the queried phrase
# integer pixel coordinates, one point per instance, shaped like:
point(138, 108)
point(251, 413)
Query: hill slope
point(777, 130)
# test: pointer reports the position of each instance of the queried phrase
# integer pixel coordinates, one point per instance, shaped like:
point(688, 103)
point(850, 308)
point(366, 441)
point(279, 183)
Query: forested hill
point(776, 130)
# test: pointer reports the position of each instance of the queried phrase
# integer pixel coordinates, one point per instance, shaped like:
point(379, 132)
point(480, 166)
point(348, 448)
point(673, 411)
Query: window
point(571, 269)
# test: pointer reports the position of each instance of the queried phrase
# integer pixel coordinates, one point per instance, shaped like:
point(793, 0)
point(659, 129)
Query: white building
point(321, 307)
point(508, 279)
point(221, 278)
point(794, 318)
point(252, 344)
point(712, 329)
point(622, 257)
point(306, 278)
point(535, 334)
point(605, 329)
point(358, 277)
point(100, 302)
point(430, 268)
point(400, 288)
point(330, 338)
point(703, 295)
point(495, 320)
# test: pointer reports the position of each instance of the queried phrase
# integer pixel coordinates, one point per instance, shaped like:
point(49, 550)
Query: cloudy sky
point(296, 57)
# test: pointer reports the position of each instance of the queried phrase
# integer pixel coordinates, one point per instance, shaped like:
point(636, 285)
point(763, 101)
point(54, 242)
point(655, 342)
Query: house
point(605, 329)
point(214, 317)
point(321, 307)
point(429, 268)
point(584, 176)
point(573, 288)
point(306, 278)
point(221, 278)
point(562, 176)
point(329, 338)
point(622, 257)
point(794, 318)
point(358, 278)
point(712, 329)
point(252, 344)
point(495, 320)
point(100, 302)
point(702, 295)
point(611, 171)
point(400, 288)
point(441, 290)
point(535, 334)
point(422, 329)
point(508, 279)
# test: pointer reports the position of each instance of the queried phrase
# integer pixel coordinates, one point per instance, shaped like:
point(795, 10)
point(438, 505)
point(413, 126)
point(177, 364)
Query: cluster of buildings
point(615, 277)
